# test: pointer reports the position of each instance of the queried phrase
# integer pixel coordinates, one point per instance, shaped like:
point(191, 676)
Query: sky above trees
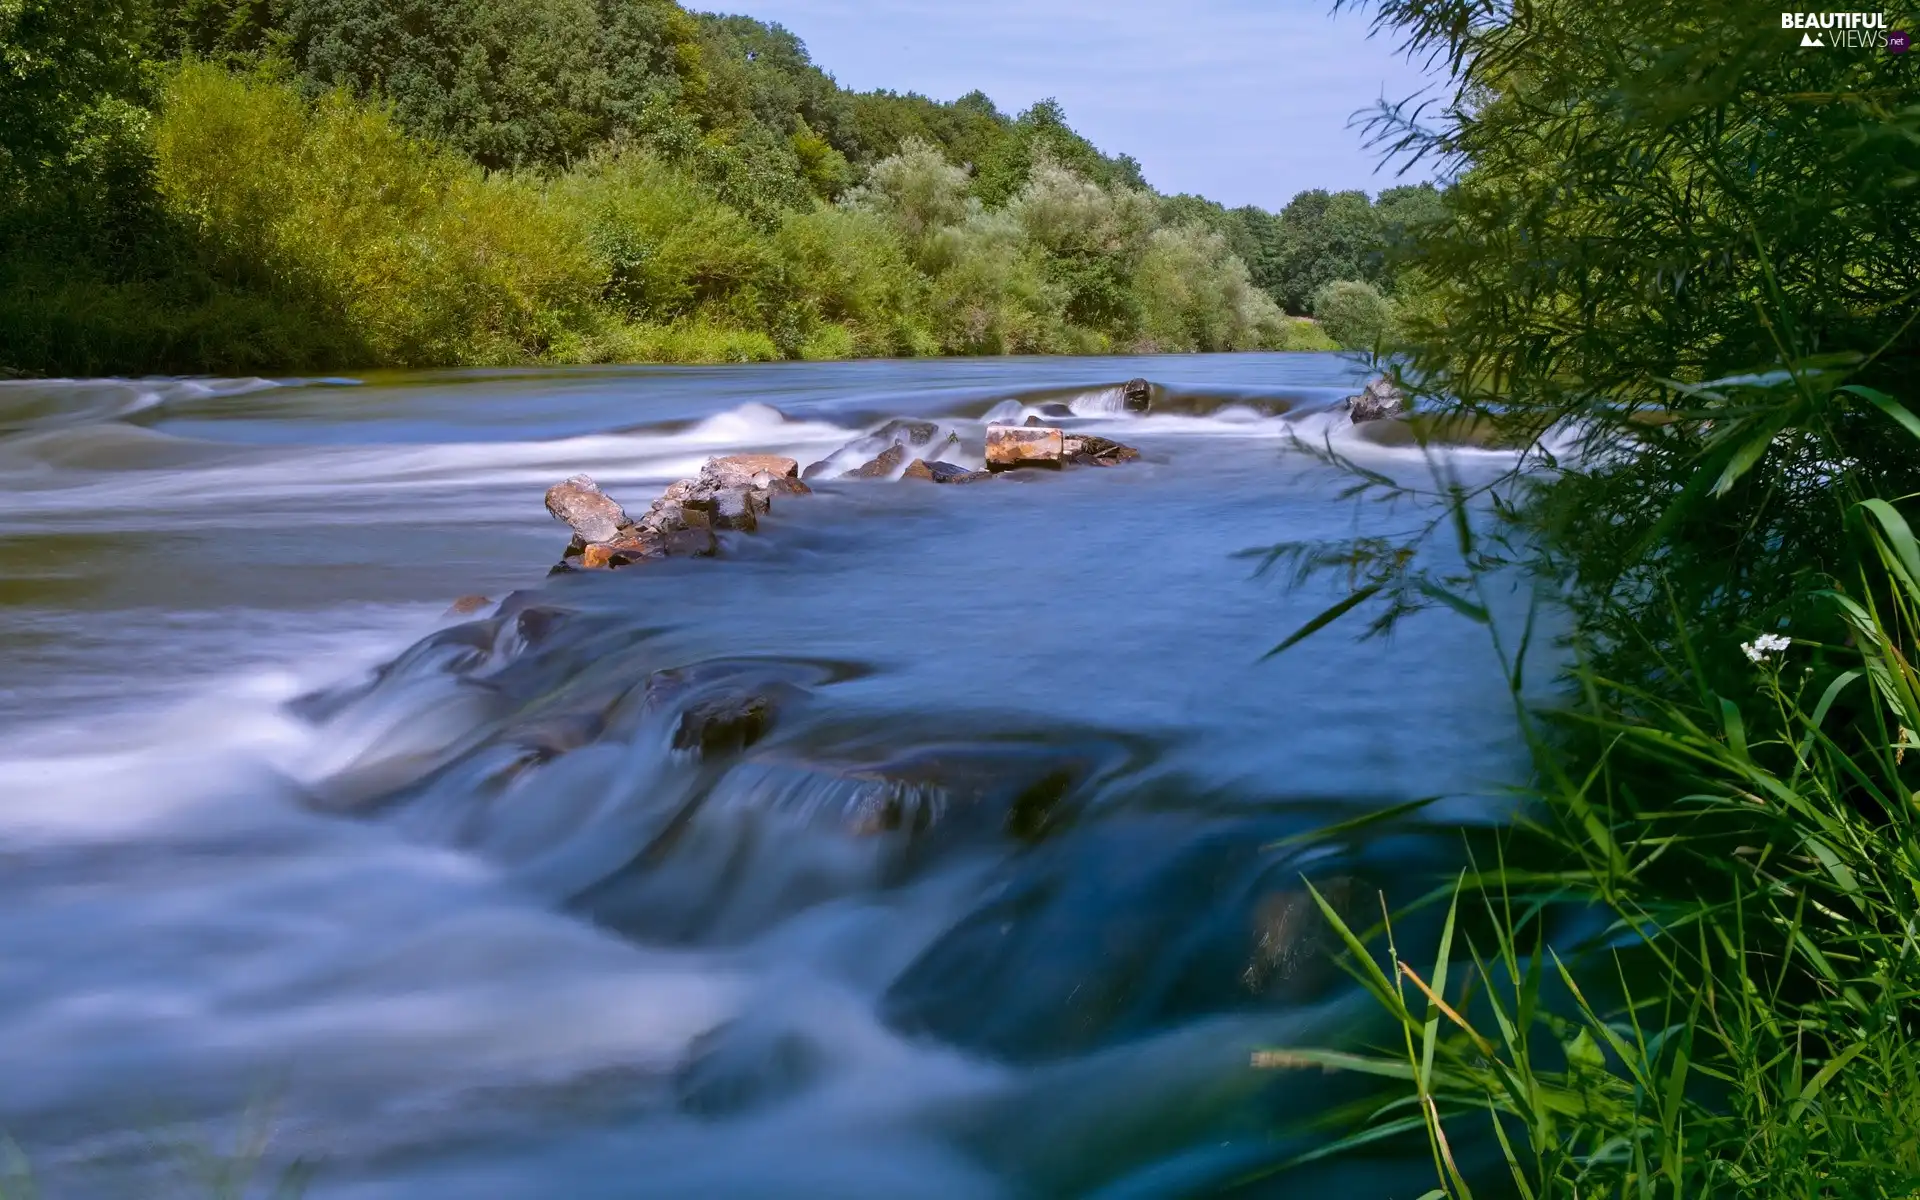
point(1243, 101)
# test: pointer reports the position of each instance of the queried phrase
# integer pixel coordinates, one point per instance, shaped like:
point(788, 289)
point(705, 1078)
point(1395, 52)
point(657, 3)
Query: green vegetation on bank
point(228, 185)
point(1683, 240)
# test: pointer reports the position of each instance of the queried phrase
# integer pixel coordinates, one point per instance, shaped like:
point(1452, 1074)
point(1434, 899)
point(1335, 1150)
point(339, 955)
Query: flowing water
point(994, 895)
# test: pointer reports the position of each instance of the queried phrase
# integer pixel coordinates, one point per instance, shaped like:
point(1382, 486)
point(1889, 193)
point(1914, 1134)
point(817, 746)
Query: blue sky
point(1244, 101)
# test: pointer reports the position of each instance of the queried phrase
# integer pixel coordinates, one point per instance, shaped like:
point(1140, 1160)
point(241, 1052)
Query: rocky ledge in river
point(734, 492)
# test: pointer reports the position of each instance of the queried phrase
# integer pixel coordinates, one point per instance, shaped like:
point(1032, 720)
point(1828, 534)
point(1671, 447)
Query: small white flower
point(1765, 645)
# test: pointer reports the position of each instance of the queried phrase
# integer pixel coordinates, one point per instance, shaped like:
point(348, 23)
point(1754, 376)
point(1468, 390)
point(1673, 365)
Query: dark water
point(997, 901)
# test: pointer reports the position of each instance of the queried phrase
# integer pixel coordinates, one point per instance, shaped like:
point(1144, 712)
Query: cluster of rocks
point(1378, 400)
point(729, 493)
point(734, 492)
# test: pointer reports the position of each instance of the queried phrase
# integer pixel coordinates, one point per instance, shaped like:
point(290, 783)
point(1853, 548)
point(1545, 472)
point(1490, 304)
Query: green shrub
point(849, 270)
point(685, 342)
point(1195, 295)
point(990, 294)
point(671, 248)
point(1354, 314)
point(425, 259)
point(919, 193)
point(828, 343)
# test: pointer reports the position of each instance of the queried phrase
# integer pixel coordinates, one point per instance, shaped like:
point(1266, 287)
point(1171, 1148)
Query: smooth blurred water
point(995, 909)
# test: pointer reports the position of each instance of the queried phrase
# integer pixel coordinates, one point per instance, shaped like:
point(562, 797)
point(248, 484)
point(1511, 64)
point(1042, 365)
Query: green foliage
point(1195, 295)
point(1319, 237)
point(857, 287)
point(344, 182)
point(422, 258)
point(1323, 237)
point(1354, 314)
point(61, 66)
point(1672, 248)
point(671, 248)
point(507, 83)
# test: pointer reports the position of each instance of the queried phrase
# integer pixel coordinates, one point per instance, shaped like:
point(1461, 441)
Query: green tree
point(1323, 237)
point(526, 82)
point(66, 71)
point(1354, 314)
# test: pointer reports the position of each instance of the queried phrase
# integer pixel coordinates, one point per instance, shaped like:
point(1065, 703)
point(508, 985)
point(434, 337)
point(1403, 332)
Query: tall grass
point(1667, 243)
point(1746, 1019)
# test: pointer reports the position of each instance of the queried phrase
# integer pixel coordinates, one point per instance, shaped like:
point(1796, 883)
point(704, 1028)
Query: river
point(999, 905)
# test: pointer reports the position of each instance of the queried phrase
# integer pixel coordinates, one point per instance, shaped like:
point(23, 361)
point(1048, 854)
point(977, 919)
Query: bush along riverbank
point(231, 188)
point(1669, 243)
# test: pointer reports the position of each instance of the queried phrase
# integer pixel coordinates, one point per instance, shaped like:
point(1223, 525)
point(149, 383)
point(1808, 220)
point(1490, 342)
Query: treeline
point(224, 185)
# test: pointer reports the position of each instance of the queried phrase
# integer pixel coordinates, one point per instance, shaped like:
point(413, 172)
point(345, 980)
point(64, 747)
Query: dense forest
point(226, 185)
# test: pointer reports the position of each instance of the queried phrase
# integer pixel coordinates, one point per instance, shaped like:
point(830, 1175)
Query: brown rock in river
point(1136, 395)
point(1086, 450)
point(594, 515)
point(633, 547)
point(466, 606)
point(883, 465)
point(940, 472)
point(753, 464)
point(1020, 446)
point(1378, 400)
point(725, 507)
point(765, 471)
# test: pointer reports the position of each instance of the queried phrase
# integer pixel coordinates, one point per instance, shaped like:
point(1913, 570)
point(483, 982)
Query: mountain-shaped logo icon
point(1807, 39)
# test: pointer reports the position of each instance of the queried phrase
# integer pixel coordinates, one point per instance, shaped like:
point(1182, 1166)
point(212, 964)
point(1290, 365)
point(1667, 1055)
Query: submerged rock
point(466, 606)
point(1011, 446)
point(725, 724)
point(1120, 930)
point(908, 432)
point(881, 452)
point(1136, 395)
point(1379, 399)
point(594, 515)
point(940, 472)
point(746, 1064)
